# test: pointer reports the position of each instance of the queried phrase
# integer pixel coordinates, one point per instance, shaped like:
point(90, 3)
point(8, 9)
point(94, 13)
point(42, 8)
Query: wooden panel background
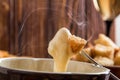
point(33, 23)
point(4, 13)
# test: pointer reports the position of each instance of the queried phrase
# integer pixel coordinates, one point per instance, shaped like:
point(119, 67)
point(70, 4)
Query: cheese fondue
point(62, 47)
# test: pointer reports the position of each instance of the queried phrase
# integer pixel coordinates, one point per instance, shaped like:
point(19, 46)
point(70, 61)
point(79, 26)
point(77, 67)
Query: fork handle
point(113, 77)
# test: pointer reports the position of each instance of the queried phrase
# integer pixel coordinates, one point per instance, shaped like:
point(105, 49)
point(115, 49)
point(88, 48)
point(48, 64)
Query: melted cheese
point(62, 47)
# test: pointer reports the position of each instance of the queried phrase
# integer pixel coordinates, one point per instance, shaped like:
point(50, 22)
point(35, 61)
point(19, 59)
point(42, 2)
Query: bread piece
point(62, 47)
point(106, 41)
point(104, 51)
point(104, 61)
point(80, 57)
point(117, 58)
point(76, 43)
point(4, 54)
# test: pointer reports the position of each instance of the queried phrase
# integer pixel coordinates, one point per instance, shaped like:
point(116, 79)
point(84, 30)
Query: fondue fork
point(84, 53)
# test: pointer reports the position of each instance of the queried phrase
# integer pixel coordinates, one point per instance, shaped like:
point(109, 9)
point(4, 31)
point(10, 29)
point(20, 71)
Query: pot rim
point(4, 69)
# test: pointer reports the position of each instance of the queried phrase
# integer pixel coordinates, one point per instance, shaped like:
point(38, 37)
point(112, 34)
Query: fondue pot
point(42, 69)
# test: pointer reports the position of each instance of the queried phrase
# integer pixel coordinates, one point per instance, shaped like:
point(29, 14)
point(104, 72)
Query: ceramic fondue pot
point(42, 69)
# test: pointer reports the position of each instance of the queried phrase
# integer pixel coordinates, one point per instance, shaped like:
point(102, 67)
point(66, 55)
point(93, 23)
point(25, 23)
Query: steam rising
point(75, 20)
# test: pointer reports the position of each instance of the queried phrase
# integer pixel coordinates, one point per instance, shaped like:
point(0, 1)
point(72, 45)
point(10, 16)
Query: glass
point(109, 10)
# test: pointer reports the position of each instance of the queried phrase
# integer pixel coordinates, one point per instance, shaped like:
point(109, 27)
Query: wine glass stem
point(108, 27)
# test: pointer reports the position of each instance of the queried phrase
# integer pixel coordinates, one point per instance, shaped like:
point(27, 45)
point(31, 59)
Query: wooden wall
point(4, 12)
point(31, 24)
